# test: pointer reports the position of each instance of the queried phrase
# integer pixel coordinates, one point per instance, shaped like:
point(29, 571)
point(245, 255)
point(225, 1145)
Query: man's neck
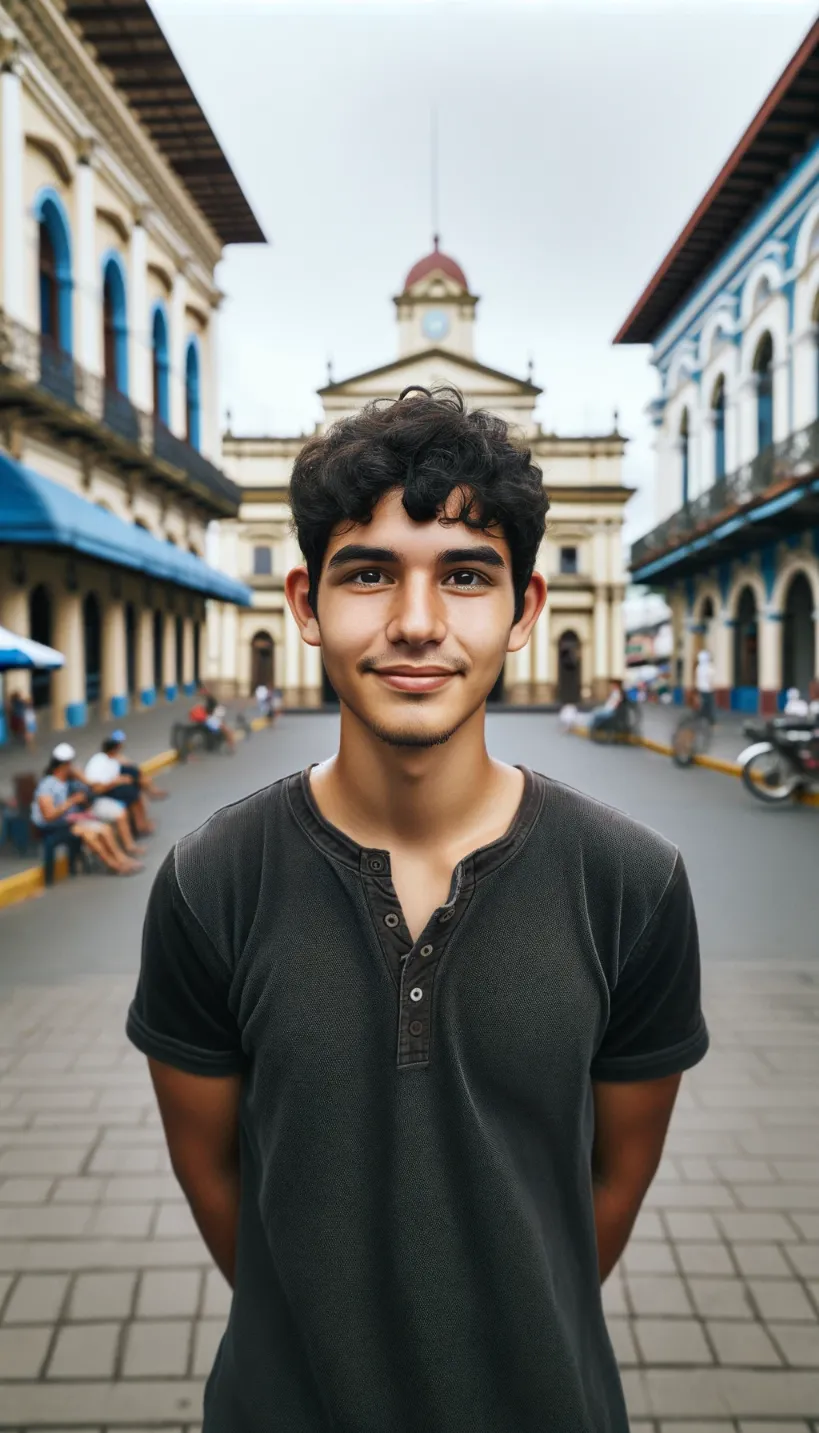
point(387, 796)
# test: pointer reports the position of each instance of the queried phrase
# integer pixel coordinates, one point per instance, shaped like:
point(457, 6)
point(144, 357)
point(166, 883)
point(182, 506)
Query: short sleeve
point(656, 1025)
point(180, 1013)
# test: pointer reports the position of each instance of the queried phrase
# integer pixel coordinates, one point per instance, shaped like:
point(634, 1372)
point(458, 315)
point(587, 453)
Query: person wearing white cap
point(56, 810)
point(117, 795)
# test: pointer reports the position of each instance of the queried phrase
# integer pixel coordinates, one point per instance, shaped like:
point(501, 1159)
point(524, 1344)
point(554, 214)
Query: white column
point(292, 653)
point(179, 298)
point(12, 216)
point(88, 278)
point(210, 390)
point(722, 644)
point(312, 669)
point(145, 657)
point(228, 673)
point(169, 651)
point(540, 638)
point(114, 667)
point(187, 651)
point(68, 682)
point(601, 637)
point(14, 615)
point(617, 650)
point(770, 653)
point(140, 364)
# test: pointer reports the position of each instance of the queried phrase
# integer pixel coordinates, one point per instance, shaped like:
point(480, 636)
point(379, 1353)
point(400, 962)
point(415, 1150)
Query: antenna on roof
point(433, 171)
point(330, 379)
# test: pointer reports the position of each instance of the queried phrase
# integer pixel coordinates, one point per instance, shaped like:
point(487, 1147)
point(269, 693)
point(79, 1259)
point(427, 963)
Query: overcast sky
point(574, 139)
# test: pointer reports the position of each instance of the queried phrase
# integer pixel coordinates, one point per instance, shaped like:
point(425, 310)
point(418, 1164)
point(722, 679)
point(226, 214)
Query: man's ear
point(534, 601)
point(296, 588)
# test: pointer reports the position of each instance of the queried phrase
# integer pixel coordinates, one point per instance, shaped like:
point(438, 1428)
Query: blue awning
point(36, 511)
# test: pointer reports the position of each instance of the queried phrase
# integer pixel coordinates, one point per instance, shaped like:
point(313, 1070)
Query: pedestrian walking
point(704, 683)
point(416, 1018)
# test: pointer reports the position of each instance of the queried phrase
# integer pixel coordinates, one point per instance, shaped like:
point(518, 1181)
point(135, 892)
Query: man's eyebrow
point(487, 555)
point(360, 552)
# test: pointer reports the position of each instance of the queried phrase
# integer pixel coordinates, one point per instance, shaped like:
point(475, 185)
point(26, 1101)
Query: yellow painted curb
point(158, 762)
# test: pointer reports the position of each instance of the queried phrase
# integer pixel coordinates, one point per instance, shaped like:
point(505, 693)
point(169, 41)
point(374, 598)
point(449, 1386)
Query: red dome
point(433, 261)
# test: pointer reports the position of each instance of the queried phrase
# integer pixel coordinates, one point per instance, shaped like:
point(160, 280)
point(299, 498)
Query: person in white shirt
point(117, 797)
point(704, 683)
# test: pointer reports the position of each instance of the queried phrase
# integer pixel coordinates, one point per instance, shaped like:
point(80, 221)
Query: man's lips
point(415, 679)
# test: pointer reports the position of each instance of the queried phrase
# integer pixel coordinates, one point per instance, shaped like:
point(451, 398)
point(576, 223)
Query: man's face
point(414, 621)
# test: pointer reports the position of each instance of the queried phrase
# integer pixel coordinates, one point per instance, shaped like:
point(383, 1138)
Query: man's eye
point(467, 579)
point(369, 576)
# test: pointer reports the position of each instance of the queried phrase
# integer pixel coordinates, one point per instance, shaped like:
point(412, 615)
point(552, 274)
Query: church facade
point(577, 646)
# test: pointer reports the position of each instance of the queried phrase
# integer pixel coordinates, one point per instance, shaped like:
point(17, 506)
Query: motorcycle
point(783, 757)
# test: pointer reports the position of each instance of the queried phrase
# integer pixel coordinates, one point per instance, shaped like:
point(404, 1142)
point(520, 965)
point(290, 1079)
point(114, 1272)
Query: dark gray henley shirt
point(416, 1244)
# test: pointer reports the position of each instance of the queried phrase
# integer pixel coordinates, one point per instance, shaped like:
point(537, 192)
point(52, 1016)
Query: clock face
point(435, 323)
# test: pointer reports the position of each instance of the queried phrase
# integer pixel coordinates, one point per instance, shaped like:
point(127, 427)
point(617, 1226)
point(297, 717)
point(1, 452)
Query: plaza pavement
point(110, 1311)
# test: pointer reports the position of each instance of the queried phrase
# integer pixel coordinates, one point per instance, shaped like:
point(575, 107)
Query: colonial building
point(732, 314)
point(577, 646)
point(115, 204)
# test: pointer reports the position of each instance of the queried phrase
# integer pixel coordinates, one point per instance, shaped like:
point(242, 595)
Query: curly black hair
point(428, 444)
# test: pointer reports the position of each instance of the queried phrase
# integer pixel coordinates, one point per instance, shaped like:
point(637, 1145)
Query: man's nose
point(417, 612)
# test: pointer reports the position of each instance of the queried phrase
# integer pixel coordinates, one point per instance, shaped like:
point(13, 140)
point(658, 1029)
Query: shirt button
point(416, 1027)
point(445, 916)
point(391, 920)
point(426, 950)
point(416, 994)
point(376, 863)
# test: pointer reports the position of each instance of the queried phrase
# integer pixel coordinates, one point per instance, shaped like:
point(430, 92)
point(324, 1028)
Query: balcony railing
point(783, 465)
point(39, 371)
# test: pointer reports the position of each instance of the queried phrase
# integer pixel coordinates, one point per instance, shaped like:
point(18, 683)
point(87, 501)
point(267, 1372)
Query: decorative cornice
point(85, 83)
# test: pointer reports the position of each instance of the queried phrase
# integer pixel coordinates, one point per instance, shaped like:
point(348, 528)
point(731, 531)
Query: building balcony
point(45, 387)
point(776, 493)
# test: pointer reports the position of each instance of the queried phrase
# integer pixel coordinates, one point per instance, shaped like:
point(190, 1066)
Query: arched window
point(161, 364)
point(54, 262)
point(718, 410)
point(798, 639)
point(763, 367)
point(762, 293)
point(115, 322)
point(685, 455)
point(192, 394)
point(262, 562)
point(745, 643)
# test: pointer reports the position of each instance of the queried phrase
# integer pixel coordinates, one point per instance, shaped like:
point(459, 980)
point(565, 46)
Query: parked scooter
point(783, 757)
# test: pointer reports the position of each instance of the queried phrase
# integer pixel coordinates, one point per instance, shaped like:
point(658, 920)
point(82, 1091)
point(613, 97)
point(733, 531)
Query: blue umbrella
point(20, 652)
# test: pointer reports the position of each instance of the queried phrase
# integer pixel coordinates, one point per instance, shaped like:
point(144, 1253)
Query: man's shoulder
point(227, 836)
point(607, 839)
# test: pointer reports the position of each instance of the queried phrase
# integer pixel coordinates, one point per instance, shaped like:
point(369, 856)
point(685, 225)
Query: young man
point(117, 793)
point(416, 1019)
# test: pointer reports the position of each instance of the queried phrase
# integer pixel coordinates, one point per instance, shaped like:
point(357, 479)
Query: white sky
point(575, 140)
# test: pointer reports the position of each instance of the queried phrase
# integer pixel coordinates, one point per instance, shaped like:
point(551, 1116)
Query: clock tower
point(435, 308)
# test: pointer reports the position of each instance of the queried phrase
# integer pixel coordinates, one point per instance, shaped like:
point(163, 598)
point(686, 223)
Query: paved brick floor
point(110, 1312)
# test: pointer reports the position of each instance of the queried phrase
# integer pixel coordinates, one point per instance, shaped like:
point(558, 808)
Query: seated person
point(116, 796)
point(56, 810)
point(216, 723)
point(601, 716)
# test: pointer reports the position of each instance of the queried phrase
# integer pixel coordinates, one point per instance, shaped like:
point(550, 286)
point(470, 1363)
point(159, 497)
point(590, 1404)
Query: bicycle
point(692, 737)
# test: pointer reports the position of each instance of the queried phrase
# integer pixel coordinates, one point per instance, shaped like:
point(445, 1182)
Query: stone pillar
point(14, 616)
point(769, 626)
point(723, 653)
point(68, 683)
point(88, 277)
point(169, 656)
point(140, 366)
point(189, 684)
point(145, 657)
point(12, 217)
point(114, 667)
point(179, 298)
point(229, 673)
point(600, 649)
point(540, 655)
point(617, 646)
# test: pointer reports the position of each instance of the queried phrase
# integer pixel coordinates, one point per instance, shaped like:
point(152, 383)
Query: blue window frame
point(161, 363)
point(718, 409)
point(763, 364)
point(55, 275)
point(115, 321)
point(192, 394)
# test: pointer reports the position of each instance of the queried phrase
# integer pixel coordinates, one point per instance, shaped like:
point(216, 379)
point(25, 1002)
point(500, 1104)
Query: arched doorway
point(92, 643)
point(746, 667)
point(701, 636)
point(718, 416)
point(160, 348)
point(192, 394)
point(262, 661)
point(798, 637)
point(39, 626)
point(568, 669)
point(159, 649)
point(130, 648)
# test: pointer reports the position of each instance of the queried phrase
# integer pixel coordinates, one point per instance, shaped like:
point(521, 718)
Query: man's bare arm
point(631, 1121)
point(200, 1115)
